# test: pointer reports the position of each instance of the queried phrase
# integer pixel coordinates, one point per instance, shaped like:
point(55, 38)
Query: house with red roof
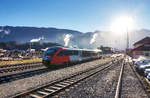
point(141, 47)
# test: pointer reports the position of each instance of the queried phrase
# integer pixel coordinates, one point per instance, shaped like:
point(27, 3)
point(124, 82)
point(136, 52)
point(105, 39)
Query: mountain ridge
point(75, 38)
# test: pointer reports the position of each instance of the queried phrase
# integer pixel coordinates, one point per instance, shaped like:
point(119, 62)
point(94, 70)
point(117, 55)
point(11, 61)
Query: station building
point(141, 48)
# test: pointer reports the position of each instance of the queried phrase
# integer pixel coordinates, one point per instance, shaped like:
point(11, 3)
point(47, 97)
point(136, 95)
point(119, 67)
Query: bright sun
point(122, 24)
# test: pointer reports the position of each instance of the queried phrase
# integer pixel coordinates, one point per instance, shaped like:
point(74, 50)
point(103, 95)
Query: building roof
point(144, 47)
point(143, 41)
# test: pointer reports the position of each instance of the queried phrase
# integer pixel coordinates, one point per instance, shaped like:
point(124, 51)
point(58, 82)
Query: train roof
point(57, 47)
point(97, 50)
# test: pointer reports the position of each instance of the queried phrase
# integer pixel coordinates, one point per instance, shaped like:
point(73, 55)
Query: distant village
point(14, 51)
point(8, 55)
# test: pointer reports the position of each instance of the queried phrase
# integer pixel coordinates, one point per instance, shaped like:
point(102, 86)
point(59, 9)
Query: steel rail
point(21, 67)
point(118, 89)
point(15, 65)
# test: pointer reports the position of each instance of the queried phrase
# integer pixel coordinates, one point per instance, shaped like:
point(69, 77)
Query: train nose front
point(47, 56)
point(46, 60)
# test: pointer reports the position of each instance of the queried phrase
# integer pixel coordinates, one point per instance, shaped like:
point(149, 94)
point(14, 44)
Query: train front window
point(49, 53)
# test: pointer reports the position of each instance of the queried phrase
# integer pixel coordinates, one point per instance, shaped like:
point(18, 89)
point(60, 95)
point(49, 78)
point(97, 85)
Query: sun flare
point(122, 24)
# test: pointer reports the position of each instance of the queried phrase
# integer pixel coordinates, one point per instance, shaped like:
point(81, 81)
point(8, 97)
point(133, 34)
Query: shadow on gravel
point(17, 76)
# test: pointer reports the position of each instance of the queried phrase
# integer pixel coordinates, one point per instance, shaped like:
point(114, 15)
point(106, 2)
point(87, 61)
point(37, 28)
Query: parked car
point(147, 71)
point(142, 65)
point(148, 77)
point(142, 68)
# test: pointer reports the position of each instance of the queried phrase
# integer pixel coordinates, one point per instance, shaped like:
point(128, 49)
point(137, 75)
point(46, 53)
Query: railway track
point(17, 76)
point(20, 71)
point(16, 65)
point(20, 67)
point(120, 86)
point(56, 86)
point(118, 89)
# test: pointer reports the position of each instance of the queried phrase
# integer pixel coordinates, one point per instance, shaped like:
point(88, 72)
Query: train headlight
point(47, 56)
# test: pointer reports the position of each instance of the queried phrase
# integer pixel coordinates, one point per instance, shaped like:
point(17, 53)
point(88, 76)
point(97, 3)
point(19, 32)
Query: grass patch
point(20, 61)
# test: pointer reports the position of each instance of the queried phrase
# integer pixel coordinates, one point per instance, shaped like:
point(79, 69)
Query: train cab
point(48, 55)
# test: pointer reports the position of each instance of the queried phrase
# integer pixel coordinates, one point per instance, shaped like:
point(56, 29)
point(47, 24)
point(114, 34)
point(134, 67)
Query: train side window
point(84, 53)
point(67, 53)
point(75, 52)
point(61, 53)
point(64, 53)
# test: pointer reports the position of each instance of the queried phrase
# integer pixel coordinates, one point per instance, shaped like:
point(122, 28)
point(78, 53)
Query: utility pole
point(127, 48)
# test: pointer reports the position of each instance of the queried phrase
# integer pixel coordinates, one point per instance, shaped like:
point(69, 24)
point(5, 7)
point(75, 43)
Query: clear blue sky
point(81, 15)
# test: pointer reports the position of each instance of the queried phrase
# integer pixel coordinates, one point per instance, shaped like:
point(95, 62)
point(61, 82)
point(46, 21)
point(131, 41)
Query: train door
point(61, 57)
point(74, 56)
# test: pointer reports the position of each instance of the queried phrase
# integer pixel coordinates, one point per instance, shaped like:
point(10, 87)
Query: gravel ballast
point(131, 87)
point(101, 85)
point(14, 87)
